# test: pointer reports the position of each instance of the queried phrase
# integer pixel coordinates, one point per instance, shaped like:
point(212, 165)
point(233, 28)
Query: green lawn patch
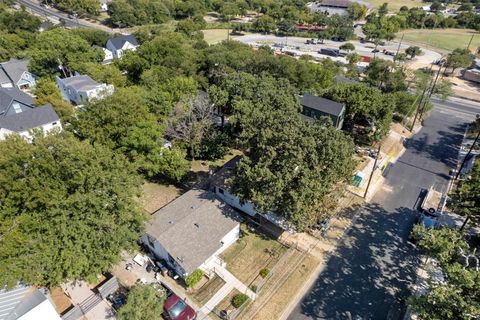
point(444, 39)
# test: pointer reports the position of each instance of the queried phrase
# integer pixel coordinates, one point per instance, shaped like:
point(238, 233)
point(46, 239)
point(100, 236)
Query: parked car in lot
point(330, 52)
point(177, 309)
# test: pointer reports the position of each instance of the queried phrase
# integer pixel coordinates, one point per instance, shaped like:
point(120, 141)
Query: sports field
point(395, 5)
point(443, 39)
point(212, 36)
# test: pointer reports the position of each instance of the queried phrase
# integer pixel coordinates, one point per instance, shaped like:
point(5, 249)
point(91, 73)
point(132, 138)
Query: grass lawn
point(207, 291)
point(157, 195)
point(395, 5)
point(213, 36)
point(277, 303)
point(444, 39)
point(252, 253)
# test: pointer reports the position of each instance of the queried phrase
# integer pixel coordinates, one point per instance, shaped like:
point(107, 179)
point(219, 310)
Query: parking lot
point(298, 46)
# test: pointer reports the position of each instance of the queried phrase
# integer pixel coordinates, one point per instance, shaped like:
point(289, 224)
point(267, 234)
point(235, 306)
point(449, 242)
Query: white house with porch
point(190, 232)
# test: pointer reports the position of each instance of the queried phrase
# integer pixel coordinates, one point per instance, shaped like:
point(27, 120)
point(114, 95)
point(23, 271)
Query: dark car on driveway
point(178, 309)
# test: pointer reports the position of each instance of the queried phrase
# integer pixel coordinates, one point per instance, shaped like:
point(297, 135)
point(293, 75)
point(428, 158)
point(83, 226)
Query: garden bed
point(206, 291)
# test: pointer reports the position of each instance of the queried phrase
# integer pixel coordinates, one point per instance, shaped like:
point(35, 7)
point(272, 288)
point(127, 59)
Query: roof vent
point(197, 225)
point(170, 222)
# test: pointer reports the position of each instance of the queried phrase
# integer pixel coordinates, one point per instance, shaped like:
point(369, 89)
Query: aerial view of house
point(190, 232)
point(14, 74)
point(19, 115)
point(80, 89)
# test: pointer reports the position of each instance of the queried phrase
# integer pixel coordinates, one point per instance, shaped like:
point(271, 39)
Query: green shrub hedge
point(194, 278)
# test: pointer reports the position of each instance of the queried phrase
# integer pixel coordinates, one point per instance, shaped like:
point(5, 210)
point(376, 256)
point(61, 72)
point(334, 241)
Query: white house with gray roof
point(26, 303)
point(19, 116)
point(119, 45)
point(14, 74)
point(80, 89)
point(190, 232)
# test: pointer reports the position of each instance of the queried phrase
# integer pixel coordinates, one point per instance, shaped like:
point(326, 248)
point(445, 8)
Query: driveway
point(370, 275)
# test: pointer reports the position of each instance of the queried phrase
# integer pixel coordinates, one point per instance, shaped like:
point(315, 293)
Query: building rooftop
point(119, 42)
point(80, 82)
point(9, 96)
point(30, 119)
point(22, 299)
point(324, 105)
point(12, 70)
point(191, 227)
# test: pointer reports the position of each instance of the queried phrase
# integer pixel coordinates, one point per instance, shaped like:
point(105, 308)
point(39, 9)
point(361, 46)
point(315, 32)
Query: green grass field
point(444, 39)
point(213, 36)
point(395, 5)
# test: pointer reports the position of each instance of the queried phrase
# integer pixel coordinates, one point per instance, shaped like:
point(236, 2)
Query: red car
point(177, 309)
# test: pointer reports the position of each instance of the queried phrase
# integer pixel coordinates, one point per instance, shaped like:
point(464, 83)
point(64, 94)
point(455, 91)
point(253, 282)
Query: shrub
point(264, 273)
point(194, 278)
point(239, 299)
point(253, 288)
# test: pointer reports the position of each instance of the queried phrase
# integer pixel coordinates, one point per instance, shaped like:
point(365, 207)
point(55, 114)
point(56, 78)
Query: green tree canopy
point(57, 47)
point(364, 102)
point(124, 123)
point(144, 302)
point(459, 58)
point(67, 209)
point(46, 91)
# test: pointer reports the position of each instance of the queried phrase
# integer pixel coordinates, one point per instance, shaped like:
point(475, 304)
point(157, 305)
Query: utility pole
point(418, 109)
point(431, 90)
point(470, 42)
point(467, 155)
point(373, 170)
point(399, 45)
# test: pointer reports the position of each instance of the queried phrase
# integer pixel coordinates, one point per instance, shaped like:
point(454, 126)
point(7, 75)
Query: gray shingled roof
point(119, 41)
point(12, 70)
point(11, 299)
point(10, 95)
point(191, 227)
point(324, 105)
point(29, 119)
point(80, 82)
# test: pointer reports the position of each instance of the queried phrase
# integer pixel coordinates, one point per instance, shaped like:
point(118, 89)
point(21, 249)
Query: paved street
point(52, 13)
point(370, 274)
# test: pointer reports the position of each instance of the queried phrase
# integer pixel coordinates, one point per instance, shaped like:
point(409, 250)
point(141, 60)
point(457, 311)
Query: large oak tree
point(67, 209)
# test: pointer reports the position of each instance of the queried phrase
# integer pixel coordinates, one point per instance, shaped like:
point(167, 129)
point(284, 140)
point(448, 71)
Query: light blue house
point(14, 74)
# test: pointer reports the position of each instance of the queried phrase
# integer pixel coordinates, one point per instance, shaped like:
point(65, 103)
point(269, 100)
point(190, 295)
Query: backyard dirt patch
point(60, 300)
point(157, 195)
point(252, 253)
point(207, 291)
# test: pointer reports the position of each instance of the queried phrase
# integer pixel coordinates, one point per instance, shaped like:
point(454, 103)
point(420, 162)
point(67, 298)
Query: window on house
point(221, 190)
point(17, 108)
point(54, 123)
point(151, 241)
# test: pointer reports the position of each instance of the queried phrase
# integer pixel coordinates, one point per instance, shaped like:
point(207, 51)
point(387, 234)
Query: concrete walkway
point(231, 282)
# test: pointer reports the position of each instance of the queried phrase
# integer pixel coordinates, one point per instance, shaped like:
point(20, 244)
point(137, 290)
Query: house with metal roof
point(18, 115)
point(26, 303)
point(80, 89)
point(119, 45)
point(190, 232)
point(14, 74)
point(314, 107)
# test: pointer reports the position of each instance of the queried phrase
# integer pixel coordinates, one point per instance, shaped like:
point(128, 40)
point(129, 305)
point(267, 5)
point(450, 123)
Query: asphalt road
point(371, 273)
point(50, 12)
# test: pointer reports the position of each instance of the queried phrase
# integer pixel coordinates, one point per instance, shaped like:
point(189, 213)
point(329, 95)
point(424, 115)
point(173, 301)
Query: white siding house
point(80, 89)
point(107, 55)
point(119, 45)
point(220, 185)
point(14, 74)
point(26, 303)
point(19, 116)
point(190, 232)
